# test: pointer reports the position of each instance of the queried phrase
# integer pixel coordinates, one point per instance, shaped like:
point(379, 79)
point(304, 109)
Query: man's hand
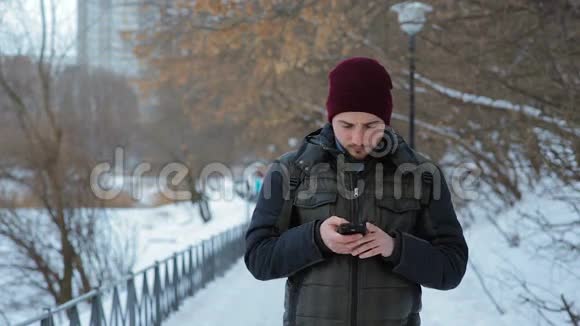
point(375, 242)
point(338, 243)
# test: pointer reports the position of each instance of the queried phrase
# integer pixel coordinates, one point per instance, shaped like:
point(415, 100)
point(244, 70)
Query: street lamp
point(411, 17)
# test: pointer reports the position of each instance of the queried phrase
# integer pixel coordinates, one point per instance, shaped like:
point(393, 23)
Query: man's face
point(358, 132)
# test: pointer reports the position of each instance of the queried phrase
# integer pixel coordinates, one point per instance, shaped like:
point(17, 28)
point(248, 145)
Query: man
point(355, 169)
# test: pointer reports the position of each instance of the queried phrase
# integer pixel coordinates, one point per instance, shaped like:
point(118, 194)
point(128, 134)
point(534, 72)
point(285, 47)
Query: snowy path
point(239, 299)
point(235, 299)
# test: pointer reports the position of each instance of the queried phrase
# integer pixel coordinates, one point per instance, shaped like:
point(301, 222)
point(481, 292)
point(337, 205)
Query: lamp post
point(411, 17)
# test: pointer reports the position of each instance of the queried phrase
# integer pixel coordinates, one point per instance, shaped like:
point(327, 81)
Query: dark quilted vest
point(345, 290)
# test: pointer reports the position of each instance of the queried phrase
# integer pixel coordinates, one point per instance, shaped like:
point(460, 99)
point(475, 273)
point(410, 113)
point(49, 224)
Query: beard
point(357, 152)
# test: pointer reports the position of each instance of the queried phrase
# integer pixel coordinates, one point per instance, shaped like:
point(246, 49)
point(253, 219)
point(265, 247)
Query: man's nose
point(357, 138)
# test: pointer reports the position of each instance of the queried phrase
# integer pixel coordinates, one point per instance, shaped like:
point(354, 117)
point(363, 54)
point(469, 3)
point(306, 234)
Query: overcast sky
point(20, 26)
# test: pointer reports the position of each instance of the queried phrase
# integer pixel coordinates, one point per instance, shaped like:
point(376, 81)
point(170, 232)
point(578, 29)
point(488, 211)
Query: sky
point(20, 26)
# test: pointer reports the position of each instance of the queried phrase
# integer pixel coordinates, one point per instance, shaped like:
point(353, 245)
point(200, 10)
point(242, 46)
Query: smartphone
point(352, 228)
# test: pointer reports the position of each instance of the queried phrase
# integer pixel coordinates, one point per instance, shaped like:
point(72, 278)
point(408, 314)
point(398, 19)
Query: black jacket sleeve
point(395, 256)
point(269, 253)
point(326, 252)
point(436, 255)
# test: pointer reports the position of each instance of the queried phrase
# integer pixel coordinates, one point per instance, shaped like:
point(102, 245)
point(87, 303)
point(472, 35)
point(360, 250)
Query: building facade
point(102, 30)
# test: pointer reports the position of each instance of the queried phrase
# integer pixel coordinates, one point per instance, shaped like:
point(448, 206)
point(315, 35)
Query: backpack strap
point(296, 177)
point(427, 179)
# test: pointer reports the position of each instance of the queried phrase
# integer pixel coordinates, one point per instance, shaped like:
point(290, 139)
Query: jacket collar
point(396, 150)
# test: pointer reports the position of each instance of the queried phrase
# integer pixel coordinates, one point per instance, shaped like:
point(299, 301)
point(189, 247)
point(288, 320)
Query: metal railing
point(148, 297)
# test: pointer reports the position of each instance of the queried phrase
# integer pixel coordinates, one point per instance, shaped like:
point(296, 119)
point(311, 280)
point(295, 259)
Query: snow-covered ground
point(235, 299)
point(159, 232)
point(166, 229)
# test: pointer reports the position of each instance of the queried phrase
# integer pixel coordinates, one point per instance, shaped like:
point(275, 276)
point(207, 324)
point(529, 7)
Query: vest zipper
point(354, 261)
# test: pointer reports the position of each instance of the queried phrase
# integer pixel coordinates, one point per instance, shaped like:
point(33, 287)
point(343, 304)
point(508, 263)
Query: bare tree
point(63, 244)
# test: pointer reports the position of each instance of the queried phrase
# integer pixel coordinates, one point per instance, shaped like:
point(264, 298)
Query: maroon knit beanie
point(361, 85)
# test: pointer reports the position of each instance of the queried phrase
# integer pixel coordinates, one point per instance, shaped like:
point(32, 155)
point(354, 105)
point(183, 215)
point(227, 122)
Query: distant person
point(356, 219)
point(253, 185)
point(258, 179)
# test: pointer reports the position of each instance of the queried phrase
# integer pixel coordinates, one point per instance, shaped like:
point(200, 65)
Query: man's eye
point(347, 127)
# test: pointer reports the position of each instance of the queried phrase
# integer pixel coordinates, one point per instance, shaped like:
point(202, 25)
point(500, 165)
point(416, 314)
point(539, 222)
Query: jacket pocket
point(314, 206)
point(398, 213)
point(400, 205)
